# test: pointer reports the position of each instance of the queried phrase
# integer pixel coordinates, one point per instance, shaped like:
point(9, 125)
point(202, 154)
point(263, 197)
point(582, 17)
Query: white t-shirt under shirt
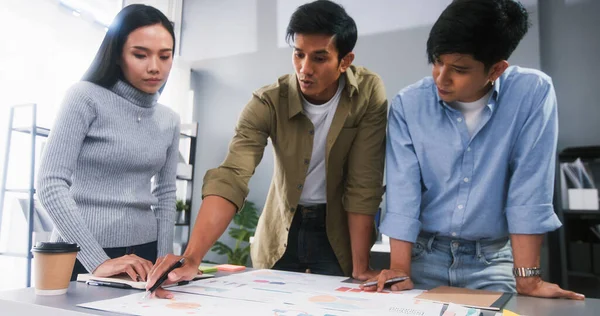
point(315, 185)
point(472, 111)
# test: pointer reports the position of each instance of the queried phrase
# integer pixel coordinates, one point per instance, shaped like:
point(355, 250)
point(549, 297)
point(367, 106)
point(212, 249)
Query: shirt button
point(468, 148)
point(292, 209)
point(459, 119)
point(300, 186)
point(466, 179)
point(455, 245)
point(460, 206)
point(306, 161)
point(311, 132)
point(284, 245)
point(453, 234)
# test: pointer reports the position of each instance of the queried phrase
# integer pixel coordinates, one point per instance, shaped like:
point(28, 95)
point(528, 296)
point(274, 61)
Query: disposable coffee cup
point(53, 266)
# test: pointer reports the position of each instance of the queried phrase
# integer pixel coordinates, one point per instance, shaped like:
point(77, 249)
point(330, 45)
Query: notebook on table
point(126, 280)
point(481, 299)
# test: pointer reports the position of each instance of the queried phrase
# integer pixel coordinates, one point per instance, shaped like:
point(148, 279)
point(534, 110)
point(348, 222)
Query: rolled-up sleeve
point(364, 186)
point(529, 207)
point(230, 179)
point(403, 179)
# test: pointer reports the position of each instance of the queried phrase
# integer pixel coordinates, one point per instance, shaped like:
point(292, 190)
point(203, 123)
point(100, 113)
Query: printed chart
point(272, 292)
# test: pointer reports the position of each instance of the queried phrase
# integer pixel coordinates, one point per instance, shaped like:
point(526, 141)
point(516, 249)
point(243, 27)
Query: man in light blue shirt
point(471, 158)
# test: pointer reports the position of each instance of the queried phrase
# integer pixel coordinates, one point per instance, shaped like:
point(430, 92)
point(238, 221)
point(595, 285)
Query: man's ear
point(346, 61)
point(497, 70)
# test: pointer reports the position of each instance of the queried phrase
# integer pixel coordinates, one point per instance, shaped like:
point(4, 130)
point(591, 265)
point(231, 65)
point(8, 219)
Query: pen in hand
point(388, 282)
point(163, 277)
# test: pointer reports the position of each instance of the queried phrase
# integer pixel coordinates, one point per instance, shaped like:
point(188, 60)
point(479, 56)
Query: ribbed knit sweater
point(95, 177)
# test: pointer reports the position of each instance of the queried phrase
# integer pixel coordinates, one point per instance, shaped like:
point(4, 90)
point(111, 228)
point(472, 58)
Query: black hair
point(104, 70)
point(489, 30)
point(327, 18)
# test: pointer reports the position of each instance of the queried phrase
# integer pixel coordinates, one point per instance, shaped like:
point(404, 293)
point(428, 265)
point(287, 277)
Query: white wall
point(569, 52)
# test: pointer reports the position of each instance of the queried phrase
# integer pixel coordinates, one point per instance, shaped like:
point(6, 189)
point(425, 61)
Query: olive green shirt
point(354, 160)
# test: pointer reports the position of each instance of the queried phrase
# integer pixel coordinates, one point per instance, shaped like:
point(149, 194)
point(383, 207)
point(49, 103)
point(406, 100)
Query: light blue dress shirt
point(499, 181)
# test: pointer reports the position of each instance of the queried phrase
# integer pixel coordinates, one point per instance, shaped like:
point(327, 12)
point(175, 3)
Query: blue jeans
point(308, 247)
point(483, 264)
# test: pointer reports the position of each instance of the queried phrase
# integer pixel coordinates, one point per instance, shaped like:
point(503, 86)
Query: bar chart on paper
point(271, 292)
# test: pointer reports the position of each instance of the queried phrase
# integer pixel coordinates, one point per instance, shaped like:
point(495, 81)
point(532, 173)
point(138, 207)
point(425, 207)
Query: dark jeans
point(308, 246)
point(146, 251)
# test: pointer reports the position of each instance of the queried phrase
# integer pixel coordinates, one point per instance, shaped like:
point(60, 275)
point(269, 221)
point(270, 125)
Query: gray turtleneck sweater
point(95, 179)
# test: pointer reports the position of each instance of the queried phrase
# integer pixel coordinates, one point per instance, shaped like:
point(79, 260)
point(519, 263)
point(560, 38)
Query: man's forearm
point(214, 216)
point(526, 250)
point(361, 232)
point(400, 255)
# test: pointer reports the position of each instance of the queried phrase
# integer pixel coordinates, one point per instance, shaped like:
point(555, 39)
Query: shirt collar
point(295, 100)
point(492, 102)
point(495, 95)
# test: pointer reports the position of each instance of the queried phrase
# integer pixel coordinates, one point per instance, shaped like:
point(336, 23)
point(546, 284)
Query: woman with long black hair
point(110, 139)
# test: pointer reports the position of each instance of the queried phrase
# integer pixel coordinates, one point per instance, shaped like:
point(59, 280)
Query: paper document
point(275, 293)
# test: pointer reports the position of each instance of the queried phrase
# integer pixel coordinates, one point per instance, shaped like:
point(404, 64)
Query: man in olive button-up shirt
point(327, 124)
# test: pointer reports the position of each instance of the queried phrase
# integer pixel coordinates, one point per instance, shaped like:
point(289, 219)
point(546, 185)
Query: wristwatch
point(527, 272)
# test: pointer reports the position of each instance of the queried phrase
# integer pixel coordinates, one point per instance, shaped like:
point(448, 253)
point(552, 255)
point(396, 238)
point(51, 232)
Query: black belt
point(312, 208)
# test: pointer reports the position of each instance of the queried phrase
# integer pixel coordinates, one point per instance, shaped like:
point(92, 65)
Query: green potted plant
point(245, 222)
point(181, 207)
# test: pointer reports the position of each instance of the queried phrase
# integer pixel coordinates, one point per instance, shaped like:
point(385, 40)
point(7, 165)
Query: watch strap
point(527, 272)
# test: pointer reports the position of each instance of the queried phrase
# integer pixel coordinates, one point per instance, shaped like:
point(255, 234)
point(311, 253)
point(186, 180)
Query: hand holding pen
point(397, 279)
point(168, 270)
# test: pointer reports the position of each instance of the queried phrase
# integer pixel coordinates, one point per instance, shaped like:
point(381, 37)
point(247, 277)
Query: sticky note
point(506, 312)
point(207, 269)
point(230, 268)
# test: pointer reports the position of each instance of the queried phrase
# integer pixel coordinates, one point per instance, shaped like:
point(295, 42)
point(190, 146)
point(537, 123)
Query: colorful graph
point(272, 290)
point(269, 282)
point(224, 283)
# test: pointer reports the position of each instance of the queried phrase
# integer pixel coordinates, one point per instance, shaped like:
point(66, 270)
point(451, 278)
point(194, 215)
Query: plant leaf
point(247, 216)
point(236, 256)
point(239, 233)
point(222, 249)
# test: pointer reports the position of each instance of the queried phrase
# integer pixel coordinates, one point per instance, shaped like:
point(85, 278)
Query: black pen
point(111, 284)
point(388, 282)
point(164, 277)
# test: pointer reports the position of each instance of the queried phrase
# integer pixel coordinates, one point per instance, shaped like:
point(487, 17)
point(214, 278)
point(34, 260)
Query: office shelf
point(34, 131)
point(39, 131)
point(569, 214)
point(187, 136)
point(15, 255)
point(573, 248)
point(583, 274)
point(20, 190)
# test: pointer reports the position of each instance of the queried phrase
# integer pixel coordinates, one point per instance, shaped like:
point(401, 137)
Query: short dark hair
point(327, 18)
point(489, 30)
point(104, 70)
